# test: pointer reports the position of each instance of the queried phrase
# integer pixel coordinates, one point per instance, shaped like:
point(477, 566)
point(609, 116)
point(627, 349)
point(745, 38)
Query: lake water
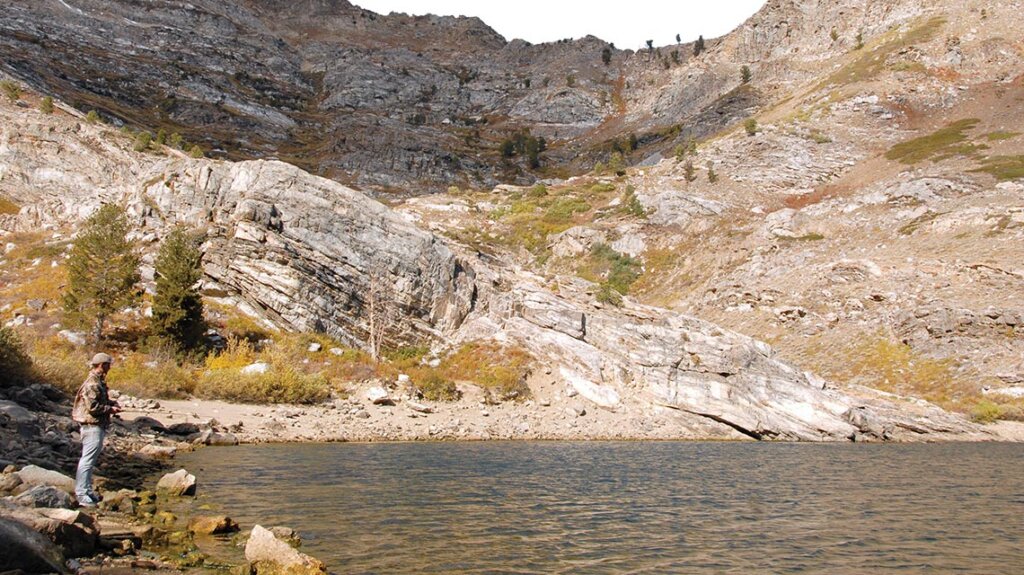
point(688, 508)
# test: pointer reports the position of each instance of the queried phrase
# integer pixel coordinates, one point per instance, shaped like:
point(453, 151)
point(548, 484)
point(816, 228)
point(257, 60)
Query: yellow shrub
point(282, 384)
point(142, 376)
point(986, 412)
point(239, 353)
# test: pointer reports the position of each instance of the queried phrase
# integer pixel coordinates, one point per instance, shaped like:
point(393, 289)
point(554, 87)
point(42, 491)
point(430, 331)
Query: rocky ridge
point(299, 250)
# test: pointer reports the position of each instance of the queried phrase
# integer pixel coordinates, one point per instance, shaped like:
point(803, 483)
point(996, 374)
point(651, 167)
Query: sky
point(626, 23)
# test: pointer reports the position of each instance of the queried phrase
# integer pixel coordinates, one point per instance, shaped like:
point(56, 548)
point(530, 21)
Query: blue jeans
point(92, 445)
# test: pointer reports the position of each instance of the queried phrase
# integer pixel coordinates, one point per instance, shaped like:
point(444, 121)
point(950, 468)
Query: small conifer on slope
point(177, 304)
point(103, 270)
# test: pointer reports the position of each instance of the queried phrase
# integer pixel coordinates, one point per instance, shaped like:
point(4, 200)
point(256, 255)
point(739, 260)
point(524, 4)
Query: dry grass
point(8, 207)
point(294, 374)
point(498, 369)
point(58, 362)
point(143, 376)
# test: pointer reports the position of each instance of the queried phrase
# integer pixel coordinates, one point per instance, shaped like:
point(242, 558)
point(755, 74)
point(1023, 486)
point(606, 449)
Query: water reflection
point(622, 508)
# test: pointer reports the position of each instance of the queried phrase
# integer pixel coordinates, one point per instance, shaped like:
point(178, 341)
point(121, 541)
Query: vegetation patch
point(999, 136)
point(8, 207)
point(895, 367)
point(614, 273)
point(917, 222)
point(161, 378)
point(811, 237)
point(500, 370)
point(58, 362)
point(15, 364)
point(1003, 168)
point(941, 144)
point(434, 384)
point(871, 62)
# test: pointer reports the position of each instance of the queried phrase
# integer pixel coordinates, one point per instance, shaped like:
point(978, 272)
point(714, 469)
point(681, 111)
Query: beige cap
point(100, 358)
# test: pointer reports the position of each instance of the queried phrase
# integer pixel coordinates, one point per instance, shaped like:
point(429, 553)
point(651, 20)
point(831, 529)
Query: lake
point(617, 508)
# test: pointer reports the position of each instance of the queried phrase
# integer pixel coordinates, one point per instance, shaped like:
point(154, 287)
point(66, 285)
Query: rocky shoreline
point(140, 526)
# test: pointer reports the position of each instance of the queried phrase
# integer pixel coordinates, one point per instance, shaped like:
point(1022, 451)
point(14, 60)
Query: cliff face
point(380, 101)
point(410, 103)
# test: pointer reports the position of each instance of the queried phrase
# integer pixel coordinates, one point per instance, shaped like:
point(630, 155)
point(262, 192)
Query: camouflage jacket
point(92, 404)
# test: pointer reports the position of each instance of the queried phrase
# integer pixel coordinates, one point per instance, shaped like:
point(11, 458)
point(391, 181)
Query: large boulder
point(268, 555)
point(32, 475)
point(22, 548)
point(73, 532)
point(177, 484)
point(45, 496)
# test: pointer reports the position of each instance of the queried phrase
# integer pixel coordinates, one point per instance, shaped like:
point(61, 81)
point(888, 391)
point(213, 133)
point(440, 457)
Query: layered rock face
point(306, 252)
point(615, 357)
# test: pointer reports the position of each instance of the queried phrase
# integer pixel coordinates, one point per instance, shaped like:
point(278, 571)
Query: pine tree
point(46, 105)
point(712, 176)
point(698, 46)
point(177, 304)
point(606, 55)
point(745, 74)
point(617, 164)
point(102, 269)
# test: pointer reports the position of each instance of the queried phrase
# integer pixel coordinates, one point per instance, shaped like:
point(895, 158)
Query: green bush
point(15, 364)
point(617, 164)
point(538, 191)
point(46, 105)
point(196, 152)
point(631, 204)
point(745, 74)
point(93, 117)
point(986, 412)
point(434, 386)
point(750, 126)
point(142, 141)
point(406, 356)
point(11, 89)
point(712, 176)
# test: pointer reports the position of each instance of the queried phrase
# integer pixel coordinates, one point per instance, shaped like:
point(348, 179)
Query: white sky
point(627, 23)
